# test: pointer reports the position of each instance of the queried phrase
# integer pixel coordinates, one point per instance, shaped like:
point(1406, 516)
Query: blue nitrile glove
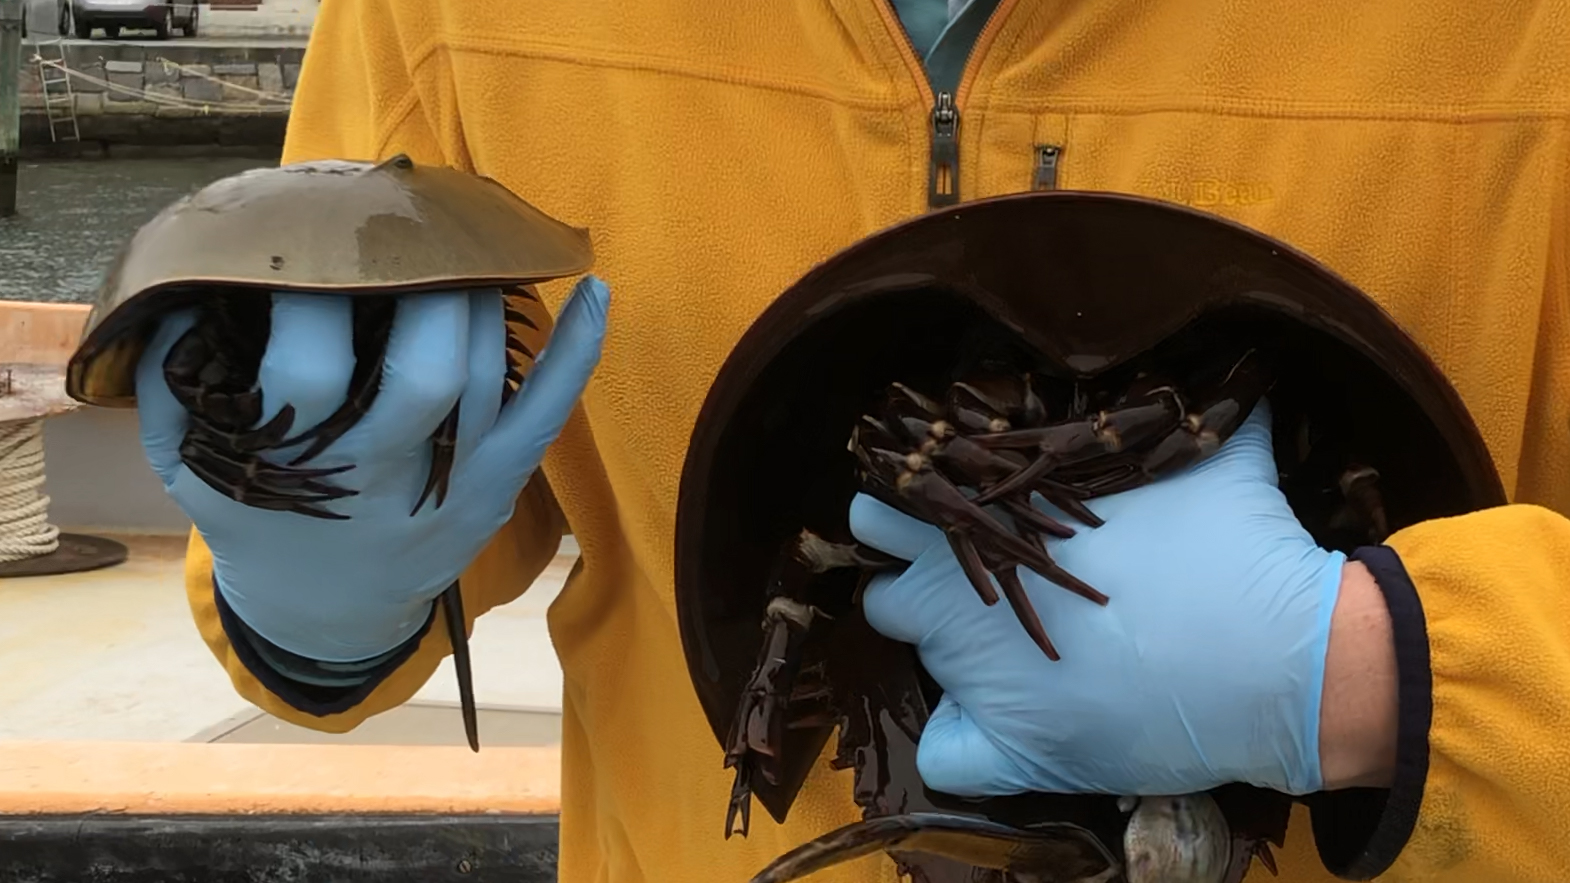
point(348, 590)
point(1206, 667)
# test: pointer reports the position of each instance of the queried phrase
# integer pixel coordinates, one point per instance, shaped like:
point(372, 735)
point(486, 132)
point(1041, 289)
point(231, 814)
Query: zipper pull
point(943, 175)
point(1047, 166)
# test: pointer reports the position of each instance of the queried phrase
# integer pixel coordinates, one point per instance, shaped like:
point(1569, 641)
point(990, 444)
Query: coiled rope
point(25, 531)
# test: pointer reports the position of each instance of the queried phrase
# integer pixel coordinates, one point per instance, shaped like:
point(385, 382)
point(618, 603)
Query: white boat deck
point(113, 655)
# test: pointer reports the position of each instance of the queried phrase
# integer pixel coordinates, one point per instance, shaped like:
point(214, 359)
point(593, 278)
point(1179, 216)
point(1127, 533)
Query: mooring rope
point(25, 531)
point(186, 70)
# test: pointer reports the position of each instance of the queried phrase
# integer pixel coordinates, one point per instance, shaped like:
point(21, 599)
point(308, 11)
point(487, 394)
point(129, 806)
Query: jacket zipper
point(943, 163)
point(943, 174)
point(1047, 156)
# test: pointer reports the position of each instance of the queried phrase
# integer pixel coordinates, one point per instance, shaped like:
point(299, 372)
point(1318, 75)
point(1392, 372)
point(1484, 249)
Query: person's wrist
point(1358, 711)
point(380, 624)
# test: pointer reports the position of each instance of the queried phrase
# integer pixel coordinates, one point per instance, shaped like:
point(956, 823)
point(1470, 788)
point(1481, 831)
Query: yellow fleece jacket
point(716, 151)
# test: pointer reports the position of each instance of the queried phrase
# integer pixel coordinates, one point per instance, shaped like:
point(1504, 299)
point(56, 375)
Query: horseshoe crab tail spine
point(458, 636)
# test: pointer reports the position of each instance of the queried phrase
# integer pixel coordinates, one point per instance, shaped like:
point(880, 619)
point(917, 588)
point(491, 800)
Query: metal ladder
point(59, 99)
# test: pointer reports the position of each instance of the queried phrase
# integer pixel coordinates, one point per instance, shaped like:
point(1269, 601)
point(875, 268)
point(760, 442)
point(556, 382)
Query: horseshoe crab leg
point(941, 503)
point(267, 435)
point(1053, 853)
point(1039, 520)
point(1202, 432)
point(515, 344)
point(210, 468)
point(1063, 497)
point(970, 563)
point(444, 443)
point(1010, 396)
point(245, 476)
point(976, 411)
point(757, 731)
point(1106, 432)
point(511, 314)
point(980, 467)
point(1365, 505)
point(984, 546)
point(781, 694)
point(1014, 591)
point(372, 326)
point(903, 398)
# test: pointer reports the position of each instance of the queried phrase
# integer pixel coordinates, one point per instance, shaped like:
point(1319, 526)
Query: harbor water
point(74, 215)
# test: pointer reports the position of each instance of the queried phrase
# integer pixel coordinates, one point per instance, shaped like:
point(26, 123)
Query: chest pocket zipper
point(1047, 157)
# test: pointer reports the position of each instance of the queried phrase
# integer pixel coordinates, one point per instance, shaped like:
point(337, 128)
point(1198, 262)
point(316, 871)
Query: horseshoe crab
point(1057, 343)
point(372, 231)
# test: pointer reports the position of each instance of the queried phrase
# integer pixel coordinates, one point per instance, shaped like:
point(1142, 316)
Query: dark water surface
point(74, 215)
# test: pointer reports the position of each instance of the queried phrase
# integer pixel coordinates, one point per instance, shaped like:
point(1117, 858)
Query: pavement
point(113, 656)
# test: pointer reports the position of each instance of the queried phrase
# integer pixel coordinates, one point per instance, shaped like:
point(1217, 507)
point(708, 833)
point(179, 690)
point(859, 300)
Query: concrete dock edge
point(213, 813)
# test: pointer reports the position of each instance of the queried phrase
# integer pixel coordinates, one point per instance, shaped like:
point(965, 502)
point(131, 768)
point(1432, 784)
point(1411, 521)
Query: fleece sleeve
point(1480, 606)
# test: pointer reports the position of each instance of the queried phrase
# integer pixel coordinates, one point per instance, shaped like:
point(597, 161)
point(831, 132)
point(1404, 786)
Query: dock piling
point(10, 101)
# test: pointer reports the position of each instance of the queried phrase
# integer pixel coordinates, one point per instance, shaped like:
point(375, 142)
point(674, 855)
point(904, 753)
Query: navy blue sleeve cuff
point(1361, 831)
point(308, 685)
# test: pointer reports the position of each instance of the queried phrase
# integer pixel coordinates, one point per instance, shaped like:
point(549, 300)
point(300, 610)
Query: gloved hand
point(1206, 667)
point(348, 590)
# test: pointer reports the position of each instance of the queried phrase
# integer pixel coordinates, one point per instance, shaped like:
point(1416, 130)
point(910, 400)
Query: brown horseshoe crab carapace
point(1061, 343)
point(372, 231)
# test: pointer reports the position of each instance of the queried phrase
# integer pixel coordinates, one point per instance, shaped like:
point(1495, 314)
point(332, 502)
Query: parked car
point(60, 10)
point(115, 16)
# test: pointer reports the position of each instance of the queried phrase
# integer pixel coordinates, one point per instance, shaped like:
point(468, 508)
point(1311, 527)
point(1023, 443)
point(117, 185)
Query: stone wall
point(165, 95)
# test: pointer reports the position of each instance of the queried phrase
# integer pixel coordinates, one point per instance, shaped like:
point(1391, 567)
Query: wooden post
point(10, 101)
